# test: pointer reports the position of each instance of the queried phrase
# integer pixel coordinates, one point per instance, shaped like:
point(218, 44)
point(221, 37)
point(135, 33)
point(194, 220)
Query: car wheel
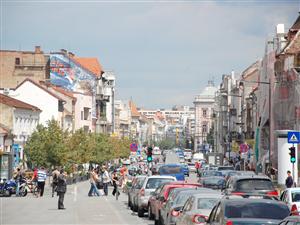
point(7, 193)
point(150, 215)
point(140, 212)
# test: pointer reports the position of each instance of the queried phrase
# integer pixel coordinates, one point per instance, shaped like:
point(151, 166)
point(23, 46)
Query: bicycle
point(28, 186)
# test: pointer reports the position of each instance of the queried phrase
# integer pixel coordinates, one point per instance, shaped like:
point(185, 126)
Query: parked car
point(214, 182)
point(162, 196)
point(137, 183)
point(174, 170)
point(197, 208)
point(175, 202)
point(149, 185)
point(247, 185)
point(248, 212)
point(291, 196)
point(291, 220)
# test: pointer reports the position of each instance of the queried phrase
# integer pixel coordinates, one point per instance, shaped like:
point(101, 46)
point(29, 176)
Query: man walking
point(42, 176)
point(18, 179)
point(105, 180)
point(289, 180)
point(61, 189)
point(55, 175)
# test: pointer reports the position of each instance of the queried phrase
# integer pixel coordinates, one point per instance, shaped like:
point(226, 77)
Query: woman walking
point(61, 189)
point(115, 180)
point(93, 180)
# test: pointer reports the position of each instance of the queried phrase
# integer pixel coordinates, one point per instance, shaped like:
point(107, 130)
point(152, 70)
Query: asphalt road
point(80, 209)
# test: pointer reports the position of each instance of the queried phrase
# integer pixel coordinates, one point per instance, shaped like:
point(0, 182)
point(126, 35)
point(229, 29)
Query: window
point(204, 113)
point(86, 113)
point(204, 128)
point(17, 61)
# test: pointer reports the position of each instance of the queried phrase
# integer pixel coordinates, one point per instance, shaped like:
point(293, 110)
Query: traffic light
point(149, 154)
point(292, 154)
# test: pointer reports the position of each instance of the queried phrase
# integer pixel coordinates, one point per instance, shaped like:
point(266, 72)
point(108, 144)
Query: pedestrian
point(61, 188)
point(34, 176)
point(18, 179)
point(93, 180)
point(105, 179)
point(197, 166)
point(115, 180)
point(42, 176)
point(55, 174)
point(289, 180)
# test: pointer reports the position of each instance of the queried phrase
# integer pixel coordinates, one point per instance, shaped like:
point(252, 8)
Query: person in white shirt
point(105, 179)
point(41, 178)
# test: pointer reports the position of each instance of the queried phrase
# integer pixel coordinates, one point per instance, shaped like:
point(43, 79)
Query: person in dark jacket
point(289, 182)
point(61, 189)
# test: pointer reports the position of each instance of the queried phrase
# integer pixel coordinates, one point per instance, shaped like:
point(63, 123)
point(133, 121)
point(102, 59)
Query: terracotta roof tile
point(92, 64)
point(6, 100)
point(133, 109)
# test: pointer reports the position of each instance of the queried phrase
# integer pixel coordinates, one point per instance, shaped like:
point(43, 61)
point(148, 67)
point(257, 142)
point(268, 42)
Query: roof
point(40, 86)
point(296, 25)
point(208, 92)
point(59, 89)
point(91, 64)
point(133, 109)
point(3, 129)
point(6, 100)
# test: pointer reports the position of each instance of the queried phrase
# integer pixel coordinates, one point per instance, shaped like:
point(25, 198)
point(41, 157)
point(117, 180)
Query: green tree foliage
point(51, 146)
point(167, 143)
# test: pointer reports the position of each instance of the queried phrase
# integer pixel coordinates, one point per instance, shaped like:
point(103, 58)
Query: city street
point(80, 209)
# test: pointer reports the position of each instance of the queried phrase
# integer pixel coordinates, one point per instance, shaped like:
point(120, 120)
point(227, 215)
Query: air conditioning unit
point(6, 91)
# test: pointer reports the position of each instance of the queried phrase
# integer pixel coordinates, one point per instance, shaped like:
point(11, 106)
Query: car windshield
point(154, 183)
point(206, 203)
point(213, 181)
point(259, 210)
point(170, 170)
point(254, 184)
point(211, 173)
point(295, 196)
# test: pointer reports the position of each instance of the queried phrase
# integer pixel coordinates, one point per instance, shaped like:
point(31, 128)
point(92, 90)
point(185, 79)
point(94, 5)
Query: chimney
point(71, 54)
point(37, 49)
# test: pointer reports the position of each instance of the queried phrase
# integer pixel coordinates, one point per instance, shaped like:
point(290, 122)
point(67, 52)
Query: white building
point(83, 112)
point(204, 103)
point(31, 92)
point(20, 119)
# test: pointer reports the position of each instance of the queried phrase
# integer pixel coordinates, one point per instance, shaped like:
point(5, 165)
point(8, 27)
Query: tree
point(166, 143)
point(46, 145)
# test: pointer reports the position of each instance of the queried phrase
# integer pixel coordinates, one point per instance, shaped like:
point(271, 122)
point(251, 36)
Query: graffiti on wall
point(66, 73)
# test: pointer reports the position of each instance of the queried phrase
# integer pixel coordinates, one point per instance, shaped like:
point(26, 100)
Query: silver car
point(134, 190)
point(149, 185)
point(197, 208)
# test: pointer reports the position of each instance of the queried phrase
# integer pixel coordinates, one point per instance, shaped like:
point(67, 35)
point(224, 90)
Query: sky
point(162, 52)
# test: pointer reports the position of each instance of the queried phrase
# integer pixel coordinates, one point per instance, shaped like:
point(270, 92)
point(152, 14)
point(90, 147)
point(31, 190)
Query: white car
point(291, 196)
point(156, 151)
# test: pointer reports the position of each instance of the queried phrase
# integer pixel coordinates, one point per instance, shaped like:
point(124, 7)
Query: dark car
point(214, 182)
point(250, 184)
point(291, 220)
point(243, 211)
